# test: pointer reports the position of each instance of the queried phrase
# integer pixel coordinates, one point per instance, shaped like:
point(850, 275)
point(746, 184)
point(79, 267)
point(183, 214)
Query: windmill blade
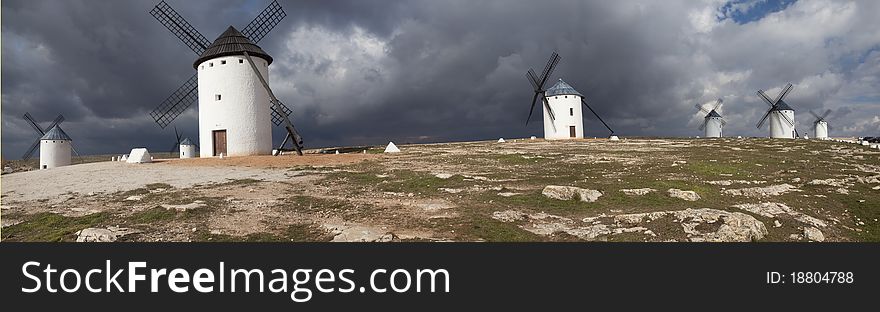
point(533, 80)
point(33, 123)
point(766, 98)
point(58, 120)
point(177, 102)
point(763, 119)
point(723, 122)
point(597, 115)
point(549, 72)
point(532, 108)
point(825, 114)
point(702, 109)
point(553, 57)
point(547, 106)
point(718, 103)
point(177, 144)
point(178, 26)
point(30, 152)
point(783, 93)
point(264, 22)
point(703, 124)
point(818, 119)
point(278, 117)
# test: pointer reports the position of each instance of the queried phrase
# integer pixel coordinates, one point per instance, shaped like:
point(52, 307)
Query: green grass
point(50, 227)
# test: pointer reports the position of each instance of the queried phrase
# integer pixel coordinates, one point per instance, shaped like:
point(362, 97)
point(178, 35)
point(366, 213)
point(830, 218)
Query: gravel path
point(109, 177)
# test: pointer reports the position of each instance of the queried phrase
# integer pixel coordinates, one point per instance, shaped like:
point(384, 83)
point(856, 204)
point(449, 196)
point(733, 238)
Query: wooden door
point(220, 142)
point(571, 132)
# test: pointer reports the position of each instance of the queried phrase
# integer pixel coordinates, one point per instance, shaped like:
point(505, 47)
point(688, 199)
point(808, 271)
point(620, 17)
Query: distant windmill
point(713, 123)
point(820, 125)
point(30, 152)
point(781, 115)
point(55, 145)
point(186, 147)
point(560, 98)
point(234, 112)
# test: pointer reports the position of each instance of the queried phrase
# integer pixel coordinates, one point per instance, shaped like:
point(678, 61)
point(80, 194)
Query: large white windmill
point(563, 117)
point(780, 114)
point(55, 145)
point(713, 123)
point(235, 101)
point(820, 125)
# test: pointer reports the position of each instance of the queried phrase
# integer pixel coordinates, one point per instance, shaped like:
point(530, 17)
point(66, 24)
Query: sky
point(373, 71)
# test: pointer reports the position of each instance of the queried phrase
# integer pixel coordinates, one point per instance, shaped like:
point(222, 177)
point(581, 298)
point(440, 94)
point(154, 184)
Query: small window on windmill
point(223, 62)
point(571, 111)
point(240, 61)
point(211, 64)
point(216, 97)
point(203, 67)
point(566, 96)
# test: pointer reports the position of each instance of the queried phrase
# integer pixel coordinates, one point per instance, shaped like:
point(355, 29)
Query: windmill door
point(219, 142)
point(571, 132)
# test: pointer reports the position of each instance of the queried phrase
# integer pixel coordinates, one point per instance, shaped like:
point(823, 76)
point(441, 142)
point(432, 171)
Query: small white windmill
point(820, 125)
point(713, 123)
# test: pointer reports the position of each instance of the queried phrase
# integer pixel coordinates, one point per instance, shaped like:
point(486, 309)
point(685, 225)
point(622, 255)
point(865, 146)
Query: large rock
point(772, 190)
point(110, 234)
point(686, 195)
point(571, 193)
point(813, 234)
point(638, 192)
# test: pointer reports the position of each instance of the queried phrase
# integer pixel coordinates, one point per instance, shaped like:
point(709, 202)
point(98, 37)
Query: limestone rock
point(772, 190)
point(638, 192)
point(571, 193)
point(686, 195)
point(813, 234)
point(110, 234)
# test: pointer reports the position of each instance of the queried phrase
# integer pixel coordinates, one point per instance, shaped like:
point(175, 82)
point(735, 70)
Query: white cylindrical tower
point(234, 113)
point(187, 149)
point(821, 130)
point(565, 102)
point(714, 125)
point(54, 148)
point(779, 127)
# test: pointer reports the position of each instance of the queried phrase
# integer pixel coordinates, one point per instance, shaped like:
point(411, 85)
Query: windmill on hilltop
point(780, 114)
point(563, 117)
point(713, 123)
point(236, 104)
point(820, 125)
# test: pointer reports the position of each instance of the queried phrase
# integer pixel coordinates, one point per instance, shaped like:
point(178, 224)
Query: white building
point(234, 113)
point(780, 128)
point(54, 148)
point(821, 131)
point(187, 149)
point(714, 125)
point(565, 102)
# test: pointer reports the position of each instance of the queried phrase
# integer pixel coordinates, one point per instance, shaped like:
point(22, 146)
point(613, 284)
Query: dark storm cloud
point(366, 72)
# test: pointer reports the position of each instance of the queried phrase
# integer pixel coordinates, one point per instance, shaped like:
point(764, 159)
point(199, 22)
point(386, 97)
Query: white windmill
point(55, 148)
point(820, 125)
point(713, 123)
point(781, 115)
point(235, 101)
point(563, 117)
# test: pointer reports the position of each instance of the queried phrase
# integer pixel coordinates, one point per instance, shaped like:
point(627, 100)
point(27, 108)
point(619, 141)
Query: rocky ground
point(654, 190)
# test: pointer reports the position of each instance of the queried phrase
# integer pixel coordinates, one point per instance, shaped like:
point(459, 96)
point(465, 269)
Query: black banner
point(464, 275)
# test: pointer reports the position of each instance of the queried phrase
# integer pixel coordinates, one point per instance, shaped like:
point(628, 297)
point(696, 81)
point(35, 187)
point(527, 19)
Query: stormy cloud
point(367, 72)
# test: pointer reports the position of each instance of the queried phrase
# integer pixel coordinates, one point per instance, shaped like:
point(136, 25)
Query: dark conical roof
point(561, 88)
point(186, 141)
point(232, 42)
point(56, 134)
point(713, 113)
point(781, 106)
